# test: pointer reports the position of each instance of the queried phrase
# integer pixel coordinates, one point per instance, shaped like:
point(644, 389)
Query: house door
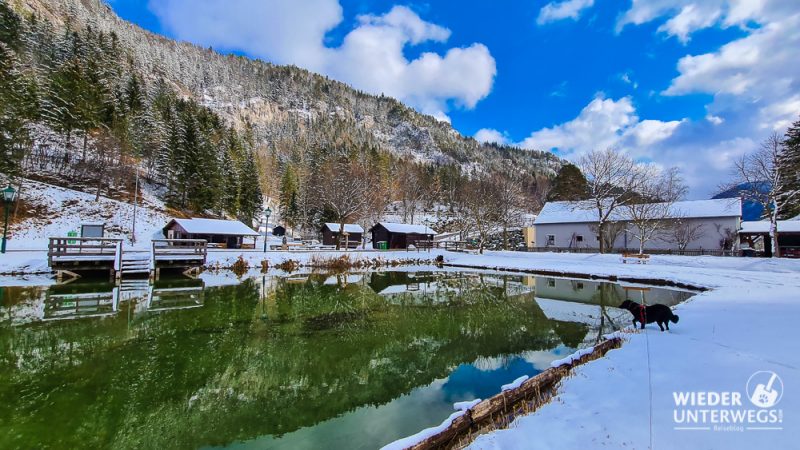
point(233, 242)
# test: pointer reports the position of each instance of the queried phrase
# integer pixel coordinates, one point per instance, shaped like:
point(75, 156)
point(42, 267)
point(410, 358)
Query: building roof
point(762, 226)
point(215, 226)
point(406, 228)
point(586, 212)
point(348, 227)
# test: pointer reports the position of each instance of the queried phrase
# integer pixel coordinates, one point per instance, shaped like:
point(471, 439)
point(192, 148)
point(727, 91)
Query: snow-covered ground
point(743, 325)
point(57, 211)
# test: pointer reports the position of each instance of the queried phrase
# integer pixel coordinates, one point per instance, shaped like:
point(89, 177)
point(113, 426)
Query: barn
point(388, 235)
point(218, 233)
point(330, 234)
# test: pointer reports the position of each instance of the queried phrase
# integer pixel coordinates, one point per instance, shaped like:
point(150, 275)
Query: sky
point(688, 83)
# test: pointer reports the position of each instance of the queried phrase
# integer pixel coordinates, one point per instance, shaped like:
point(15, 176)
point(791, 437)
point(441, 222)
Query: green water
point(309, 361)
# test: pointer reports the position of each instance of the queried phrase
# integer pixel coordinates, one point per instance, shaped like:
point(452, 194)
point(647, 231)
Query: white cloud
point(491, 135)
point(688, 16)
point(754, 79)
point(603, 123)
point(371, 56)
point(567, 9)
point(627, 79)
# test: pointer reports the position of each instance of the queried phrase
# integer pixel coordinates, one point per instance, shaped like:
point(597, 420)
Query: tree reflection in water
point(266, 357)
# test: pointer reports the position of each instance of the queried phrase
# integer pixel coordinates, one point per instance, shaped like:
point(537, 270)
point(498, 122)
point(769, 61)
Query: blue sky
point(692, 83)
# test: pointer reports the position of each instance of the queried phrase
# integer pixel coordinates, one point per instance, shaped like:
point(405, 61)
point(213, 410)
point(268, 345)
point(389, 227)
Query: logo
point(764, 389)
point(732, 410)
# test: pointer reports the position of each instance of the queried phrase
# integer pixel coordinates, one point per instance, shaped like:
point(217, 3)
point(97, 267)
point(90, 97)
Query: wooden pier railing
point(178, 251)
point(77, 250)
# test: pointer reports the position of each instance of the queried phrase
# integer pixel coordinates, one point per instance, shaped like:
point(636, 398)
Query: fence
point(688, 252)
point(446, 245)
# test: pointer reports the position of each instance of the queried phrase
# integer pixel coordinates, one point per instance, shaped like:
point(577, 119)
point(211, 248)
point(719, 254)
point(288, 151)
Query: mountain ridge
point(282, 102)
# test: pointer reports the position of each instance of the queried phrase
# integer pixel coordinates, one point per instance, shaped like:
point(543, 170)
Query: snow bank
point(573, 357)
point(463, 406)
point(514, 384)
point(424, 434)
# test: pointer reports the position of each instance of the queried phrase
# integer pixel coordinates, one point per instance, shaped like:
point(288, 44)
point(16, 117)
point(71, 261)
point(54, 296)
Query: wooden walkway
point(74, 256)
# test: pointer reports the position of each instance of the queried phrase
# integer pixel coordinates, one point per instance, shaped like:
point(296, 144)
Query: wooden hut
point(218, 233)
point(330, 234)
point(755, 235)
point(390, 235)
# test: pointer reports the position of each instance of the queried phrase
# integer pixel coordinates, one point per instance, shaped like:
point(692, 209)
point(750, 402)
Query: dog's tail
point(674, 318)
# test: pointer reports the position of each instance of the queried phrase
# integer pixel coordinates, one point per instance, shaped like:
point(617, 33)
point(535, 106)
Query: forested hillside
point(87, 97)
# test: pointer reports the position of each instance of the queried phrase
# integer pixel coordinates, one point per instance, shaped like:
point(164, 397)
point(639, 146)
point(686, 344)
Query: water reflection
point(340, 361)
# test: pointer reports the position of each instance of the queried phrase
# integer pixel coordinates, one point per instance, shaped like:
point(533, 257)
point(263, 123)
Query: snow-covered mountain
point(286, 103)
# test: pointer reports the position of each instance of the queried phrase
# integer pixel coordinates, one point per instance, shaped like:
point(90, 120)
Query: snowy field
point(743, 325)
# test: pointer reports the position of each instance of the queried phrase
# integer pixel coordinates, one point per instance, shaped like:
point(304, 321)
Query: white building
point(574, 225)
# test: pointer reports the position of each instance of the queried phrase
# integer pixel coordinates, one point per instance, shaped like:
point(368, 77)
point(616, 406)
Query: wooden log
point(504, 402)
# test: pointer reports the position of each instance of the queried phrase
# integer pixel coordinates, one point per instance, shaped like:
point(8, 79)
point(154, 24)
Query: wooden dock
point(74, 257)
point(186, 255)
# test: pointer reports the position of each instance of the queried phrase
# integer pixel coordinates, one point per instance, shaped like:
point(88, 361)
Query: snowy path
point(745, 324)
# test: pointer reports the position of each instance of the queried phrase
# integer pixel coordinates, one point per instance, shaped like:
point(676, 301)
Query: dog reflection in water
point(660, 314)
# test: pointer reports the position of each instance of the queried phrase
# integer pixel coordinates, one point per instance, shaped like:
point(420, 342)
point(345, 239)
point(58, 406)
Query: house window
point(551, 282)
point(551, 239)
point(579, 286)
point(579, 238)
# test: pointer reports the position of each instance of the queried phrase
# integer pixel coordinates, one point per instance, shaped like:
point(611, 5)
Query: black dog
point(661, 314)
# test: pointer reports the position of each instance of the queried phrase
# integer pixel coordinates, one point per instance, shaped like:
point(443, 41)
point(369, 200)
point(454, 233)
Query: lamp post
point(9, 195)
point(267, 213)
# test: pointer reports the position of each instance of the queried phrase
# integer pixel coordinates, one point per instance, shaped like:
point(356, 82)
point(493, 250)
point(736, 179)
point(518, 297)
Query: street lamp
point(267, 213)
point(9, 195)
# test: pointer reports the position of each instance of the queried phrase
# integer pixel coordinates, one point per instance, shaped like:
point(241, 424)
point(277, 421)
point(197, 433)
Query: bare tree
point(683, 232)
point(609, 234)
point(510, 203)
point(765, 184)
point(344, 189)
point(727, 236)
point(414, 189)
point(649, 215)
point(612, 178)
point(542, 187)
point(480, 205)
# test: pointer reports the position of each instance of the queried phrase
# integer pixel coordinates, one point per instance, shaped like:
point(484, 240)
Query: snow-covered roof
point(348, 227)
point(585, 211)
point(762, 226)
point(215, 226)
point(406, 228)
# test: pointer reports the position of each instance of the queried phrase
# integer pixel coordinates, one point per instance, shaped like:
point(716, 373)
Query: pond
point(302, 361)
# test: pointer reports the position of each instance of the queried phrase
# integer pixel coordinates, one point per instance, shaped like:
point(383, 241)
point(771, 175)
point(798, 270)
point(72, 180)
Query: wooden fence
point(689, 252)
point(446, 245)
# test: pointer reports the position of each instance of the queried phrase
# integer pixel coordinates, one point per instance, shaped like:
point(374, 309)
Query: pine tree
point(250, 195)
point(18, 107)
point(789, 166)
point(569, 185)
